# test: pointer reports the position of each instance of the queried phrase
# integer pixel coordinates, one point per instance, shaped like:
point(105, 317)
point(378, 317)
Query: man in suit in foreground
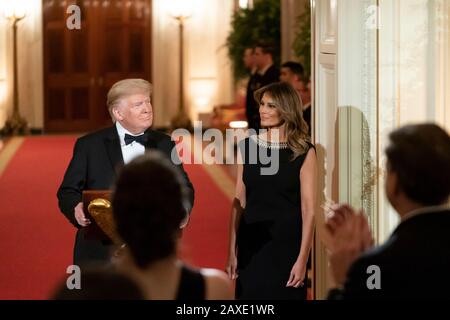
point(98, 155)
point(414, 263)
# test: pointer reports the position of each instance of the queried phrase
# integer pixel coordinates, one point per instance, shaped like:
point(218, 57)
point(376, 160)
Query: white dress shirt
point(132, 150)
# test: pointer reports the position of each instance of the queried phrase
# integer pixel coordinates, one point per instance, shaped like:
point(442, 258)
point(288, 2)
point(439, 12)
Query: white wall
point(208, 78)
point(414, 75)
point(442, 58)
point(414, 60)
point(30, 70)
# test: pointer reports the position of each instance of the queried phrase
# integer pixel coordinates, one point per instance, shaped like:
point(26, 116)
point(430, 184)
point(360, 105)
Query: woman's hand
point(232, 266)
point(297, 276)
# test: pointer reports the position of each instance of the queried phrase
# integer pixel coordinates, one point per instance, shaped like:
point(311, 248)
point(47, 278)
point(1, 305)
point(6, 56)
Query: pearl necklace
point(268, 144)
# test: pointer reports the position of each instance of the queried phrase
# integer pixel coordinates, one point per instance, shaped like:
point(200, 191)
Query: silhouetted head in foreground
point(148, 204)
point(418, 166)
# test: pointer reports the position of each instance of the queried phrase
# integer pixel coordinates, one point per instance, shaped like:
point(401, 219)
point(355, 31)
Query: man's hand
point(347, 235)
point(80, 216)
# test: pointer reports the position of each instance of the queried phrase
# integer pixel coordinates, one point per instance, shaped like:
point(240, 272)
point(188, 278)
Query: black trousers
point(91, 251)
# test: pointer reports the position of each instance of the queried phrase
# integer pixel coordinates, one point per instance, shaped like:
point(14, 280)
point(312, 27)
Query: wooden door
point(81, 65)
point(123, 46)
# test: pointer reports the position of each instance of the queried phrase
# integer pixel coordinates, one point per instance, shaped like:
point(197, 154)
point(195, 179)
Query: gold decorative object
point(101, 211)
point(15, 124)
point(181, 12)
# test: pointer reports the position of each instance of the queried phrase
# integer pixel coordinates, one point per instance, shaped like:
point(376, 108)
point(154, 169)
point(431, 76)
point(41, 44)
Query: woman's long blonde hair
point(290, 107)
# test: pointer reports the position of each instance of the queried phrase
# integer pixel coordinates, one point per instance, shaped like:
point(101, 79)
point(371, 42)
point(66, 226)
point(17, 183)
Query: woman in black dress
point(272, 219)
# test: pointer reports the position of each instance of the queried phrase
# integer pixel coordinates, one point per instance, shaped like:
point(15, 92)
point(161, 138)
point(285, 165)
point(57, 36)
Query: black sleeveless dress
point(270, 231)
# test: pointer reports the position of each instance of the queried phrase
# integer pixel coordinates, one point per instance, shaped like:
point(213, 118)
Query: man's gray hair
point(124, 88)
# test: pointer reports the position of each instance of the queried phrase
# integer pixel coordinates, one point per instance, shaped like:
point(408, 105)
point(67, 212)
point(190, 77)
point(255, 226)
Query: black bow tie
point(142, 139)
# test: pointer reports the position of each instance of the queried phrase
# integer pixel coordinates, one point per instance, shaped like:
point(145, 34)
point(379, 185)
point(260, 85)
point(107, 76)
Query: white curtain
point(414, 73)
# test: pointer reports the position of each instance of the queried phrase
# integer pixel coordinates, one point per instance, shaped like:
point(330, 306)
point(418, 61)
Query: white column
point(442, 62)
point(325, 99)
point(357, 85)
point(31, 65)
point(388, 74)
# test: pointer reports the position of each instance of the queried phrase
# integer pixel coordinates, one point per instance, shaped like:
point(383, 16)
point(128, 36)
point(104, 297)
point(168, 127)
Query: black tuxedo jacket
point(94, 165)
point(270, 76)
point(414, 262)
point(256, 82)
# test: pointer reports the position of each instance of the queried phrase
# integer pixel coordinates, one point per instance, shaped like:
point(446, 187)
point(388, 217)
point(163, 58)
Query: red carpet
point(36, 240)
point(205, 241)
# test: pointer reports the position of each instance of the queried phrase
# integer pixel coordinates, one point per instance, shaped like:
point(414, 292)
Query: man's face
point(249, 59)
point(135, 113)
point(286, 75)
point(261, 59)
point(305, 92)
point(390, 184)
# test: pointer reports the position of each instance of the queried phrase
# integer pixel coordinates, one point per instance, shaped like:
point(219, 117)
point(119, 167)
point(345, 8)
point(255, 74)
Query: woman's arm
point(236, 213)
point(308, 183)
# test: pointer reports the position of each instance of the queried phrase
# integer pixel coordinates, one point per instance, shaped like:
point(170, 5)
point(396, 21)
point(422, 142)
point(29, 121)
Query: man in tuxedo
point(249, 60)
point(250, 103)
point(293, 73)
point(414, 262)
point(97, 157)
point(266, 73)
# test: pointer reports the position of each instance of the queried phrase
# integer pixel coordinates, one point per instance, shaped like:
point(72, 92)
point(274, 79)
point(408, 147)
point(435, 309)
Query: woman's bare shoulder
point(218, 285)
